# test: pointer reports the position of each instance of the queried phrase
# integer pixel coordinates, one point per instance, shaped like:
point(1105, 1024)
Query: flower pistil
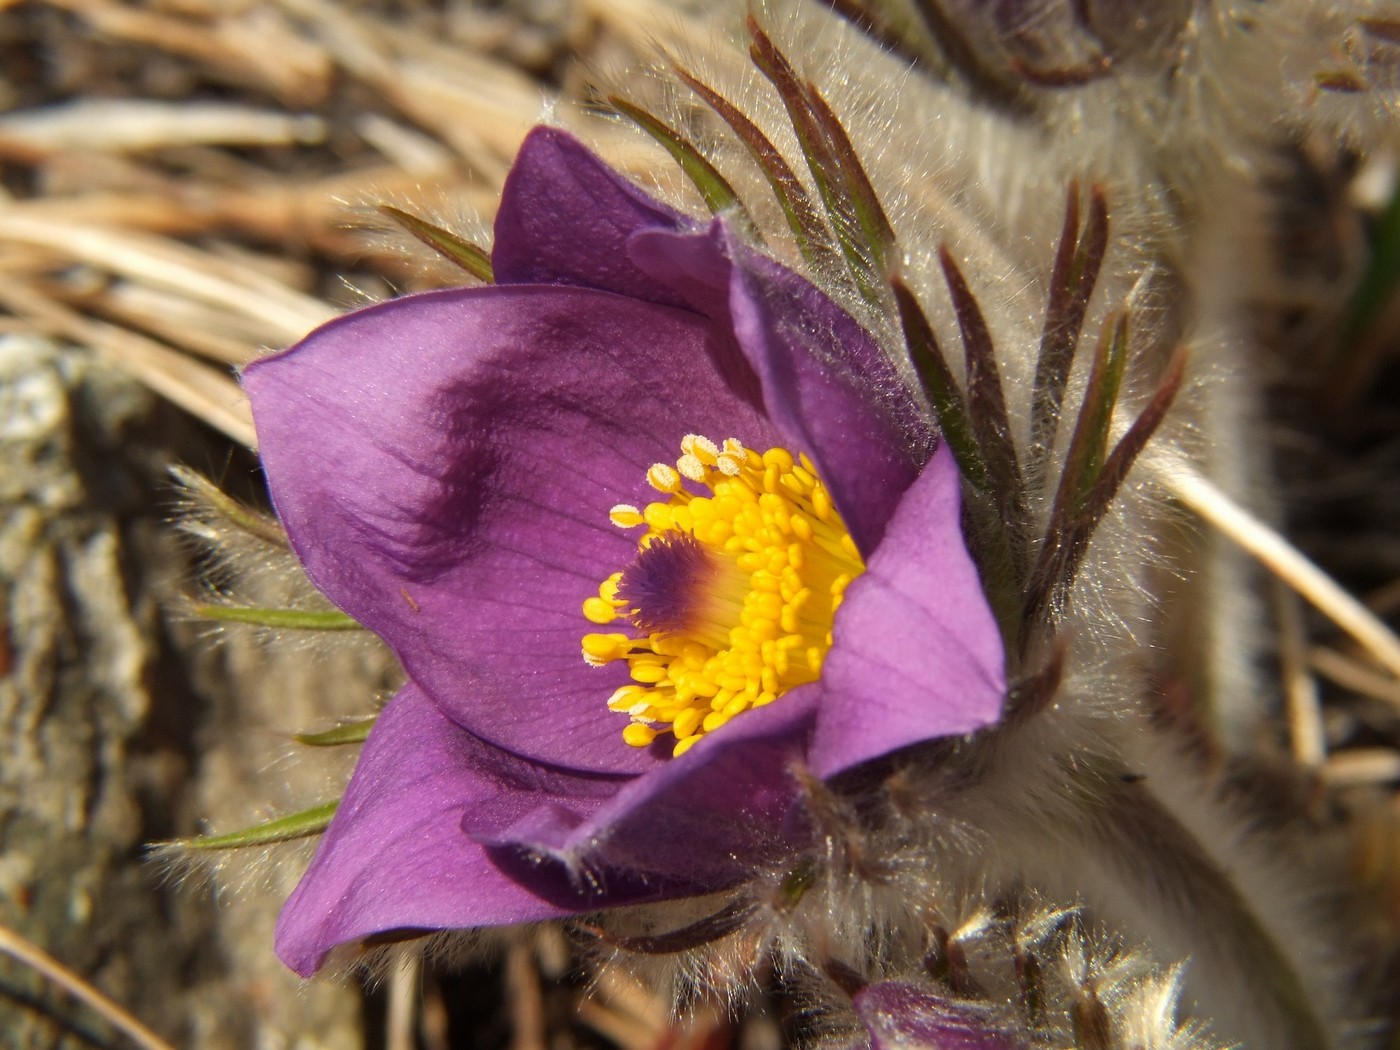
point(734, 589)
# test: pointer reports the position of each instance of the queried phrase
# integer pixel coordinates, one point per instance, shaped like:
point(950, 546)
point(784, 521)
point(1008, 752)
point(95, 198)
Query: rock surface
point(123, 722)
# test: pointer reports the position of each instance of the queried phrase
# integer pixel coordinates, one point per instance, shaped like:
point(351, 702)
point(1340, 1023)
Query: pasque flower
point(903, 1015)
point(467, 473)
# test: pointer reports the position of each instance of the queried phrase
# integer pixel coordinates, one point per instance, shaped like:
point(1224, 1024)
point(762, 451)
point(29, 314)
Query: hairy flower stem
point(1150, 850)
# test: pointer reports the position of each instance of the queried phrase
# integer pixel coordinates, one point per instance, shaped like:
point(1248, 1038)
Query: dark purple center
point(665, 582)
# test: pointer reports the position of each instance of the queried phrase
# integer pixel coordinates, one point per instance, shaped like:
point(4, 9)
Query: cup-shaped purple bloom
point(452, 469)
point(903, 1015)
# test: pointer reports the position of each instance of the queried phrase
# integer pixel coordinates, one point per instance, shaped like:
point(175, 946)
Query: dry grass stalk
point(1355, 676)
point(44, 964)
point(1306, 736)
point(120, 125)
point(203, 392)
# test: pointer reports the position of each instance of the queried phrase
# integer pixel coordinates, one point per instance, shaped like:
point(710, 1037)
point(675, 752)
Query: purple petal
point(901, 1015)
point(565, 217)
point(445, 464)
point(395, 856)
point(916, 652)
point(698, 823)
point(826, 385)
point(693, 265)
point(831, 390)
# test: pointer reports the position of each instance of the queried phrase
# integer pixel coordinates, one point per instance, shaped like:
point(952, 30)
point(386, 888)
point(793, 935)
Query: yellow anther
point(779, 458)
point(598, 611)
point(686, 723)
point(663, 478)
point(691, 467)
point(625, 698)
point(742, 622)
point(659, 516)
point(714, 720)
point(648, 674)
point(638, 735)
point(605, 647)
point(702, 448)
point(625, 516)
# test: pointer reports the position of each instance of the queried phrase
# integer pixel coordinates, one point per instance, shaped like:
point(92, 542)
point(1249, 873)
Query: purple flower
point(902, 1015)
point(459, 471)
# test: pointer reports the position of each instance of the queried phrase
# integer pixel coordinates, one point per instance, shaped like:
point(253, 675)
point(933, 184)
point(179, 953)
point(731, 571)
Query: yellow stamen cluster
point(775, 562)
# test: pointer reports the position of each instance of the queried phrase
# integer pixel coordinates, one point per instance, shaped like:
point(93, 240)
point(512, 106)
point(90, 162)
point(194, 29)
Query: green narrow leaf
point(1080, 470)
point(355, 732)
point(939, 385)
point(298, 825)
point(1101, 409)
point(718, 194)
point(865, 259)
point(808, 228)
point(1078, 261)
point(1067, 539)
point(255, 523)
point(1089, 443)
point(986, 408)
point(1125, 453)
point(280, 619)
point(875, 224)
point(470, 257)
point(795, 885)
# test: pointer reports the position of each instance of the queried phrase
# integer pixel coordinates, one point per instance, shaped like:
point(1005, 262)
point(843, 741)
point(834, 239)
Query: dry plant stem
point(167, 264)
point(281, 211)
point(192, 326)
point(526, 1000)
point(1350, 674)
point(1362, 767)
point(468, 116)
point(208, 395)
point(1205, 499)
point(292, 68)
point(625, 1031)
point(1305, 732)
point(626, 1012)
point(44, 964)
point(124, 125)
point(1385, 599)
point(402, 1022)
